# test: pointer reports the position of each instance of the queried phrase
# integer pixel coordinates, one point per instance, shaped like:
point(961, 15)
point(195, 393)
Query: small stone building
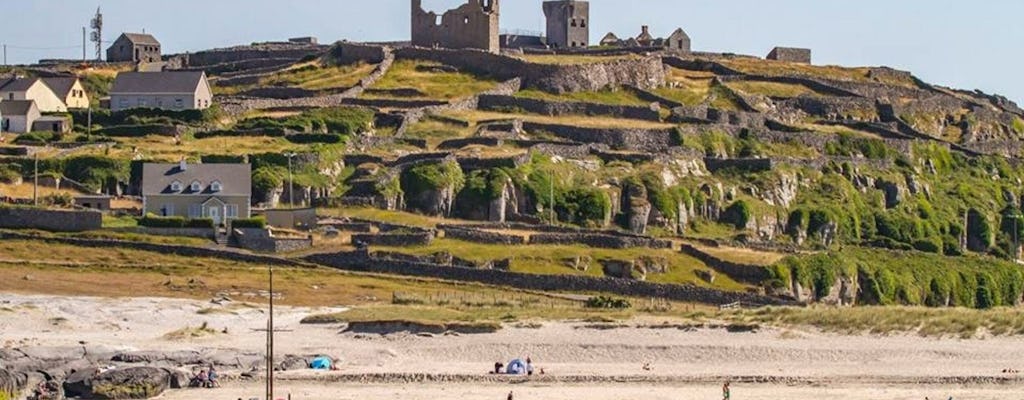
point(645, 38)
point(299, 218)
point(610, 40)
point(98, 203)
point(568, 23)
point(134, 47)
point(473, 25)
point(678, 41)
point(52, 123)
point(790, 54)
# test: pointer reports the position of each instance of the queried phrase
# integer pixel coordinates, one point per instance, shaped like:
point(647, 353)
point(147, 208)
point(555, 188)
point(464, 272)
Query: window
point(159, 103)
point(175, 186)
point(168, 210)
point(123, 103)
point(179, 103)
point(142, 103)
point(196, 186)
point(10, 96)
point(215, 186)
point(195, 211)
point(466, 21)
point(232, 211)
point(583, 23)
point(574, 22)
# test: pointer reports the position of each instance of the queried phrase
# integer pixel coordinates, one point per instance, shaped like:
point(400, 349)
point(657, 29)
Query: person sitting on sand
point(212, 381)
point(201, 379)
point(529, 368)
point(497, 367)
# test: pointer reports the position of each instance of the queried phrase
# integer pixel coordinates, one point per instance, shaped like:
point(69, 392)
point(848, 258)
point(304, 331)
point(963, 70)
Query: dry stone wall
point(50, 220)
point(557, 108)
point(363, 262)
point(634, 139)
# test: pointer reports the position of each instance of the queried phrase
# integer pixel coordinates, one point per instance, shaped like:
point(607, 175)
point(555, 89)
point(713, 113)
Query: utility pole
point(551, 197)
point(35, 178)
point(291, 185)
point(83, 45)
point(5, 55)
point(270, 339)
point(97, 33)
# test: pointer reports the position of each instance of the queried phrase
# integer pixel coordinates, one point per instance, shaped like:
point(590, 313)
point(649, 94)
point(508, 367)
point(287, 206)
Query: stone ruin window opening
point(574, 22)
point(465, 20)
point(583, 23)
point(438, 20)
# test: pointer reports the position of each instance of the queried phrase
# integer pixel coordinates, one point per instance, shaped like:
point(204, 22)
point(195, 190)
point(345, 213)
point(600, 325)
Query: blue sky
point(964, 44)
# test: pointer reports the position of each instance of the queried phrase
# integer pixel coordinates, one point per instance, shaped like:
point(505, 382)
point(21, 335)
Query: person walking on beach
point(726, 393)
point(510, 396)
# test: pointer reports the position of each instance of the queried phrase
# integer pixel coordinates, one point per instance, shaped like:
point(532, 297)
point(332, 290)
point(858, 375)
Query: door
point(215, 215)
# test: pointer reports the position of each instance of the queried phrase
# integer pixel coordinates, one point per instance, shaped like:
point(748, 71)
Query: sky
point(962, 44)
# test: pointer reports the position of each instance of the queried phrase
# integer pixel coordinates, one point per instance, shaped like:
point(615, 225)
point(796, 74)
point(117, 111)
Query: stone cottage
point(18, 116)
point(473, 25)
point(134, 47)
point(168, 90)
point(221, 192)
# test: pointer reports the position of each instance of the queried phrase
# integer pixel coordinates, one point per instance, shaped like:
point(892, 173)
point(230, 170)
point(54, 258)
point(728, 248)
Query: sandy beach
point(580, 360)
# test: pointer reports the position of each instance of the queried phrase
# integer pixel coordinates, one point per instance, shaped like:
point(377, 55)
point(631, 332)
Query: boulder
point(12, 382)
point(132, 383)
point(79, 383)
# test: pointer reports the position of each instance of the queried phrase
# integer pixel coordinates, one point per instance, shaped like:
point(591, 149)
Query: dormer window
point(196, 186)
point(175, 186)
point(215, 186)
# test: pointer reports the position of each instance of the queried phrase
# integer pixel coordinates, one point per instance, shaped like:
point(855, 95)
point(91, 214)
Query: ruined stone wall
point(740, 164)
point(558, 108)
point(243, 53)
point(635, 139)
point(644, 72)
point(346, 52)
point(50, 220)
point(568, 23)
point(474, 25)
point(394, 239)
point(362, 262)
point(790, 54)
point(751, 274)
point(478, 236)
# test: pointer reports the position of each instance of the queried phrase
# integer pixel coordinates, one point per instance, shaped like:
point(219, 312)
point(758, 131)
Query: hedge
point(153, 221)
point(307, 138)
point(204, 223)
point(255, 223)
point(138, 130)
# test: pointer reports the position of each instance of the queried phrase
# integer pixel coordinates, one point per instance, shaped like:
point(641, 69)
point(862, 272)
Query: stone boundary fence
point(554, 235)
point(50, 220)
point(752, 274)
point(633, 139)
point(559, 108)
point(183, 251)
point(363, 262)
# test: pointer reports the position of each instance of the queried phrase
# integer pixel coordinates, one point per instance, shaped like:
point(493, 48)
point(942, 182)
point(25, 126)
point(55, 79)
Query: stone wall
point(261, 240)
point(50, 220)
point(362, 262)
point(396, 239)
point(184, 232)
point(644, 72)
point(601, 241)
point(635, 139)
point(790, 54)
point(752, 274)
point(740, 164)
point(243, 53)
point(557, 108)
point(473, 25)
point(183, 251)
point(478, 236)
point(346, 52)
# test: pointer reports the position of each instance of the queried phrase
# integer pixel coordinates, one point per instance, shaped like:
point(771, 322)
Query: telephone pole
point(5, 55)
point(83, 45)
point(35, 184)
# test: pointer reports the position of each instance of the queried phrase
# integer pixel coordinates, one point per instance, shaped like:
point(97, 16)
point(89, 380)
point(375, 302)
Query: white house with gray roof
point(18, 116)
point(34, 89)
point(221, 192)
point(168, 90)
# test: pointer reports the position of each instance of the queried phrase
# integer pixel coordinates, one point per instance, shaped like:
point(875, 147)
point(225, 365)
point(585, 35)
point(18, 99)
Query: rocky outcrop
point(123, 383)
point(636, 208)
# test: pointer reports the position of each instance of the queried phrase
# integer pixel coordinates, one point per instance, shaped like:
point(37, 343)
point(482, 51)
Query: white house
point(32, 89)
point(168, 90)
point(18, 116)
point(70, 90)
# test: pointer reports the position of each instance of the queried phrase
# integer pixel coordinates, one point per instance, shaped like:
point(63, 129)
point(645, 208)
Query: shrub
point(266, 179)
point(929, 246)
point(979, 231)
point(738, 214)
point(307, 138)
point(433, 176)
point(138, 130)
point(153, 221)
point(35, 137)
point(200, 223)
point(585, 206)
point(797, 222)
point(607, 303)
point(9, 173)
point(254, 223)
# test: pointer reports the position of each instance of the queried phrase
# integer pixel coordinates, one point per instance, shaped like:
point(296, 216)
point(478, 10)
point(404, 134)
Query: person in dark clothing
point(497, 367)
point(510, 396)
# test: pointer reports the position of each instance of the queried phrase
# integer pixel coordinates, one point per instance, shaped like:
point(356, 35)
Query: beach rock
point(79, 383)
point(12, 382)
point(131, 383)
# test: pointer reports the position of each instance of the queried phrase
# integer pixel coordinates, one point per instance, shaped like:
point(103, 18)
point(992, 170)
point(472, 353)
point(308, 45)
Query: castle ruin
point(473, 25)
point(568, 23)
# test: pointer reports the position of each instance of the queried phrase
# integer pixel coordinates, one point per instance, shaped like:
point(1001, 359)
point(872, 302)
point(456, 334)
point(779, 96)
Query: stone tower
point(473, 25)
point(568, 23)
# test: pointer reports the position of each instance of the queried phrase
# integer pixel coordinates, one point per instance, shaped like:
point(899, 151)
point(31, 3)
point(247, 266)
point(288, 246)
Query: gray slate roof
point(142, 38)
point(158, 82)
point(16, 107)
point(61, 86)
point(235, 179)
point(19, 85)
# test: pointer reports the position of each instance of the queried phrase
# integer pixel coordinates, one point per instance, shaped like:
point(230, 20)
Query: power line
point(11, 46)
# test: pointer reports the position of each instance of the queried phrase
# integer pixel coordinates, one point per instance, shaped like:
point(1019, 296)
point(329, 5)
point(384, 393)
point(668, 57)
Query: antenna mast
point(97, 33)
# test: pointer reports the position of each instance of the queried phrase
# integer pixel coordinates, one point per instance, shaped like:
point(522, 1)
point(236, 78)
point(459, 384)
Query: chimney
point(182, 165)
point(645, 30)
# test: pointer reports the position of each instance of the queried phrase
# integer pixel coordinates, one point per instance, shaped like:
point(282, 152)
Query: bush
point(307, 138)
point(266, 179)
point(200, 223)
point(153, 221)
point(9, 173)
point(585, 206)
point(607, 303)
point(36, 137)
point(138, 130)
point(738, 214)
point(254, 223)
point(929, 246)
point(268, 132)
point(433, 176)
